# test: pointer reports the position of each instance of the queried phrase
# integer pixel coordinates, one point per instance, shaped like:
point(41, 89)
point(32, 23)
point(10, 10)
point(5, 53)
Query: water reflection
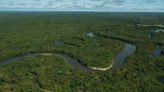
point(120, 58)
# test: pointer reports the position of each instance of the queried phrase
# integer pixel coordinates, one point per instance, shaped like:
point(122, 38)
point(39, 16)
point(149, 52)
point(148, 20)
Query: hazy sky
point(83, 5)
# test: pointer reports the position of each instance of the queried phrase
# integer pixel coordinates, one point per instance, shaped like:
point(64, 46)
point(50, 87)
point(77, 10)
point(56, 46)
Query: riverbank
point(101, 69)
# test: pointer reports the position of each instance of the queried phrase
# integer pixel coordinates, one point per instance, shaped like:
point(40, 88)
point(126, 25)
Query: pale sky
point(82, 5)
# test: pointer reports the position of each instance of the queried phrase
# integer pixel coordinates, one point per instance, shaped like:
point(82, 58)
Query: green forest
point(23, 33)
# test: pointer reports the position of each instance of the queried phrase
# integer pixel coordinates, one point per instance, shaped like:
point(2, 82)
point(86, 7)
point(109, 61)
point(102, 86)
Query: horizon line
point(80, 11)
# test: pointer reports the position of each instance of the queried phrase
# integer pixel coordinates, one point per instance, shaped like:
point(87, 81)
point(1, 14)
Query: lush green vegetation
point(30, 32)
point(40, 32)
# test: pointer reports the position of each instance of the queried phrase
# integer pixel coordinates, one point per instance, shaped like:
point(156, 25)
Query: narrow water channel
point(120, 58)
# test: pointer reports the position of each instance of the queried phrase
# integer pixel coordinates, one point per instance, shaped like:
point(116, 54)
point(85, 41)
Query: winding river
point(117, 63)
